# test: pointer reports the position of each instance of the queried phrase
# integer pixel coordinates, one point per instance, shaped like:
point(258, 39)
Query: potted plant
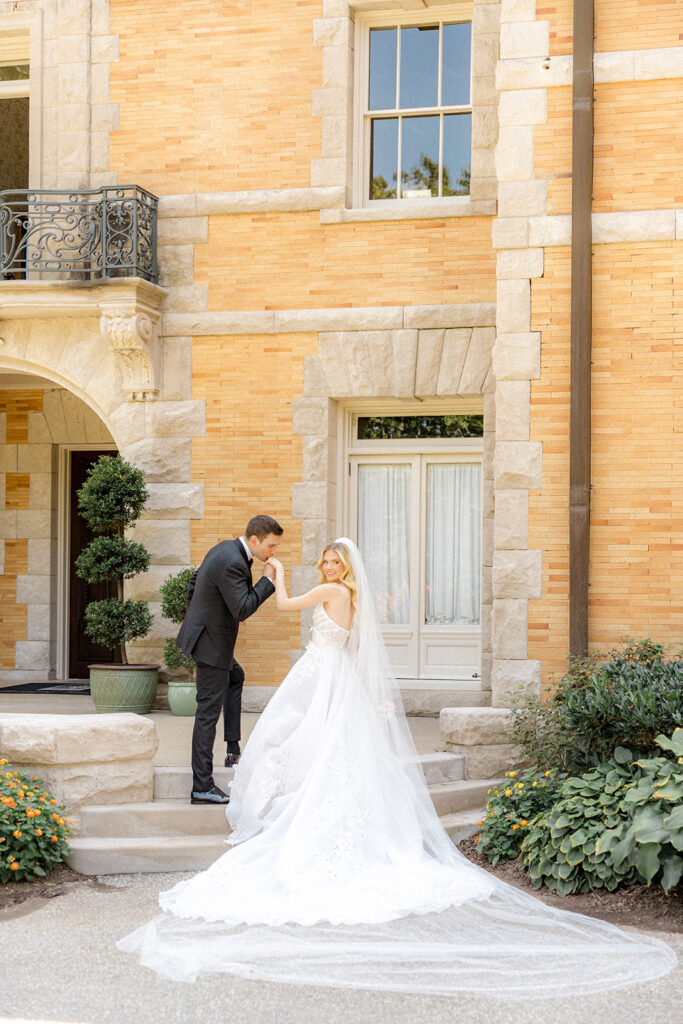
point(110, 501)
point(182, 693)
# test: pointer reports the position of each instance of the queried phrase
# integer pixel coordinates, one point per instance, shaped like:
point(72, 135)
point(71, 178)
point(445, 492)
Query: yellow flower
point(520, 785)
point(547, 774)
point(512, 774)
point(543, 785)
point(17, 834)
point(508, 792)
point(533, 785)
point(39, 831)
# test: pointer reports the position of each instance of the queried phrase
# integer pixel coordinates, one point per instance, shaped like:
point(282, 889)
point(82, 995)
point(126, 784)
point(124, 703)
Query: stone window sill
point(416, 209)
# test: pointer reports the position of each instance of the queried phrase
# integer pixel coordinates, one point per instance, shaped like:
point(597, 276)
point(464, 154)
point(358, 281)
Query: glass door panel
point(384, 499)
point(453, 545)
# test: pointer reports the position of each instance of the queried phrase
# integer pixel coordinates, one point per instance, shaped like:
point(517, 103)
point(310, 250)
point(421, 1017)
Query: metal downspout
point(581, 315)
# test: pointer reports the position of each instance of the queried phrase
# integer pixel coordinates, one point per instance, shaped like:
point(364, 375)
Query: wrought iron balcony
point(90, 235)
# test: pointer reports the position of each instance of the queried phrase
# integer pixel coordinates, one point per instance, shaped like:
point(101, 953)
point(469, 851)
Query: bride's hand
point(277, 565)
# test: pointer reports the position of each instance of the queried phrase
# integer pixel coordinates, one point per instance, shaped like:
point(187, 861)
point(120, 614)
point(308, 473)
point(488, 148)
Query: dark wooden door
point(82, 651)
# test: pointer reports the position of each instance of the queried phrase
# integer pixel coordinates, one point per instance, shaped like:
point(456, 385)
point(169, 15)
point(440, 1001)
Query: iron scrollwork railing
point(87, 235)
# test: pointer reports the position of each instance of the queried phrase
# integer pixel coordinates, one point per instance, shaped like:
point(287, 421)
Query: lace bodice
point(325, 632)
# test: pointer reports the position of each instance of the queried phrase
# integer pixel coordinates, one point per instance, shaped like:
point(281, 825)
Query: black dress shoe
point(231, 760)
point(214, 796)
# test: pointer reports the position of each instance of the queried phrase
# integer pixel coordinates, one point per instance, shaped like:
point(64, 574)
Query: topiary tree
point(110, 500)
point(173, 606)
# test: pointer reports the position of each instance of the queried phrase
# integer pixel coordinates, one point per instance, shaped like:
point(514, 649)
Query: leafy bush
point(110, 500)
point(511, 808)
point(561, 849)
point(625, 698)
point(654, 833)
point(33, 827)
point(113, 622)
point(173, 606)
point(619, 824)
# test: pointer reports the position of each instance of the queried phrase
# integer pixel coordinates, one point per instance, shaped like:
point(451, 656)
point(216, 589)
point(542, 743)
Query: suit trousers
point(217, 689)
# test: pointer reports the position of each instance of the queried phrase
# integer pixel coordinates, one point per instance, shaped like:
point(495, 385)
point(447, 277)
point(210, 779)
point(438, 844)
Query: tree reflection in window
point(390, 428)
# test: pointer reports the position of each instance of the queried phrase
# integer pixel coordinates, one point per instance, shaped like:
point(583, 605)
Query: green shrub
point(620, 824)
point(625, 698)
point(33, 827)
point(114, 623)
point(110, 500)
point(561, 849)
point(173, 606)
point(654, 833)
point(511, 808)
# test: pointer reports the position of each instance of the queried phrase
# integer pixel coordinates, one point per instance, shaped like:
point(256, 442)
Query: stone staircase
point(169, 833)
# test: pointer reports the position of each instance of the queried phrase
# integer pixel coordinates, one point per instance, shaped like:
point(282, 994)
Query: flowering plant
point(511, 808)
point(33, 828)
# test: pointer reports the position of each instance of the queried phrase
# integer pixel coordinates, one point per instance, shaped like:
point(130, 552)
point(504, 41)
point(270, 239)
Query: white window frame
point(456, 12)
point(352, 452)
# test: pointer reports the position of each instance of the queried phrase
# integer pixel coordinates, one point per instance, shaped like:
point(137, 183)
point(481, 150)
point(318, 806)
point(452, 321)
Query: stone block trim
point(84, 759)
point(443, 360)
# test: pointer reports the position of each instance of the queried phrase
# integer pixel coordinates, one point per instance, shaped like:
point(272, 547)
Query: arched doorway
point(49, 438)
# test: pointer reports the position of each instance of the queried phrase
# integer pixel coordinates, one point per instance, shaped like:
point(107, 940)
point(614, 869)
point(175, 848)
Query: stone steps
point(171, 834)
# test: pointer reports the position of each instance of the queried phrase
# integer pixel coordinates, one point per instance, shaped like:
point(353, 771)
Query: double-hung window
point(416, 110)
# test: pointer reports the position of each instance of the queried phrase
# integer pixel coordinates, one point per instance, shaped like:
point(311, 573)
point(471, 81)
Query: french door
point(417, 519)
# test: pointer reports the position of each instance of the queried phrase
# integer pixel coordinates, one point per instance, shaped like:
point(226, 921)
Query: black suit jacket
point(220, 596)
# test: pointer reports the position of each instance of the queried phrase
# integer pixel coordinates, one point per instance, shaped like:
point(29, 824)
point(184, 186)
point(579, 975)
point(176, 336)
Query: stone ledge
point(475, 726)
point(76, 739)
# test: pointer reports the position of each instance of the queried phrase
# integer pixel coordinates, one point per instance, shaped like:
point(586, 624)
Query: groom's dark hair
point(261, 526)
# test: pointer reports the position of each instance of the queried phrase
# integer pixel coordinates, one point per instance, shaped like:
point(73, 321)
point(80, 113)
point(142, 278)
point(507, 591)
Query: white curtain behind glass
point(384, 537)
point(453, 544)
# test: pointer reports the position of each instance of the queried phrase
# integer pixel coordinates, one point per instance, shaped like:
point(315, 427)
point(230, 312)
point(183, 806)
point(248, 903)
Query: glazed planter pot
point(182, 697)
point(118, 688)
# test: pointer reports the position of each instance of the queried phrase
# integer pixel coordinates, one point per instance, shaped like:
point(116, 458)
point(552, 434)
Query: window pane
point(13, 73)
point(455, 64)
point(420, 66)
point(406, 427)
point(383, 68)
point(384, 537)
point(420, 157)
point(457, 154)
point(452, 567)
point(383, 158)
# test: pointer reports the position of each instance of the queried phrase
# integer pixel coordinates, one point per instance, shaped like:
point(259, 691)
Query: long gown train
point(340, 873)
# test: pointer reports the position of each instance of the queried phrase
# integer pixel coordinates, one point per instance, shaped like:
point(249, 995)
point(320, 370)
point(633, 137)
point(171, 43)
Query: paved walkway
point(59, 963)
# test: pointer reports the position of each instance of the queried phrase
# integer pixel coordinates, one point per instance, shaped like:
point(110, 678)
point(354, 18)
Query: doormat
point(49, 687)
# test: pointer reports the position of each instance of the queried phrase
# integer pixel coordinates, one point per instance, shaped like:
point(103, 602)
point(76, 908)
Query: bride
point(340, 872)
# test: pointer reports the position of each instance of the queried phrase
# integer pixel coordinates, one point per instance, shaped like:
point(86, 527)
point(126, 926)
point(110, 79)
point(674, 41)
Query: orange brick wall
point(215, 96)
point(14, 617)
point(291, 261)
point(637, 460)
point(638, 145)
point(248, 462)
point(636, 563)
point(619, 24)
point(638, 149)
point(548, 508)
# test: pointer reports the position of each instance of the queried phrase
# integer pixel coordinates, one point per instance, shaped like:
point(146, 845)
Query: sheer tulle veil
point(426, 919)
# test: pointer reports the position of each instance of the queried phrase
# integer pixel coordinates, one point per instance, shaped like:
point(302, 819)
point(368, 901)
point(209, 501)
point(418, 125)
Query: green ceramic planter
point(182, 697)
point(117, 688)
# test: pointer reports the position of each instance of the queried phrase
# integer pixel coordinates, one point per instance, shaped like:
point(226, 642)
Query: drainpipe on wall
point(581, 315)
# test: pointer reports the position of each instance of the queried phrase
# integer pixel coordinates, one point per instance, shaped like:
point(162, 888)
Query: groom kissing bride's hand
point(220, 595)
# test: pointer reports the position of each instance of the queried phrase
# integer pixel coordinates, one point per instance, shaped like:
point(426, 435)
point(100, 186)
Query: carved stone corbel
point(133, 336)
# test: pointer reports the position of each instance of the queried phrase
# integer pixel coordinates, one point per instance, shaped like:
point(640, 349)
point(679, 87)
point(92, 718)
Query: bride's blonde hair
point(347, 576)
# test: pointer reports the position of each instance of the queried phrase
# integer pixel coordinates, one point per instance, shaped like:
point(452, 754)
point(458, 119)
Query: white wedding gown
point(341, 874)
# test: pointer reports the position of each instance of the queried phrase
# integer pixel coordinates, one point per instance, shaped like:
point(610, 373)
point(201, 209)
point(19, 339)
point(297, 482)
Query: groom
point(220, 596)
